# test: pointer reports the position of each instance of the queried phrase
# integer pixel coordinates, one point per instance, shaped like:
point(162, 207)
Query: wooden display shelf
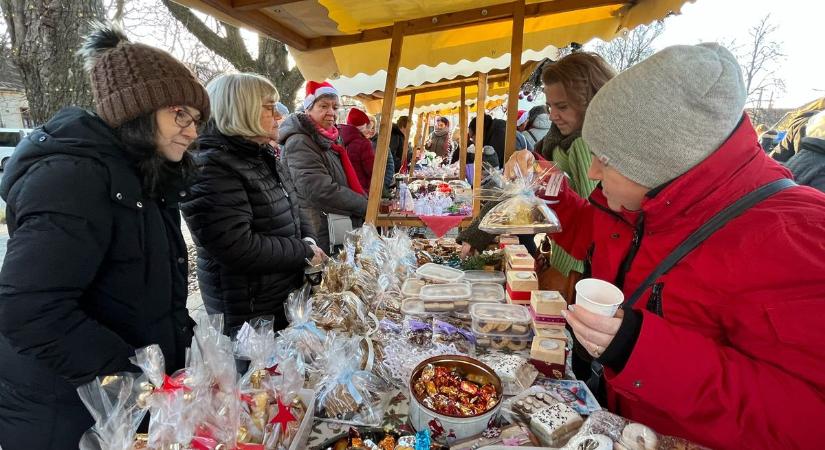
point(384, 220)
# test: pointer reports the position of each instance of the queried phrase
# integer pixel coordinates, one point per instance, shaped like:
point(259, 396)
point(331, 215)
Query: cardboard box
point(547, 303)
point(554, 332)
point(522, 281)
point(549, 356)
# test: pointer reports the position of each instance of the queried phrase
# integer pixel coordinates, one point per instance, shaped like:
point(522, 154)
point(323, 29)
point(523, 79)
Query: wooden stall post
point(462, 135)
point(404, 148)
point(382, 150)
point(479, 141)
point(515, 79)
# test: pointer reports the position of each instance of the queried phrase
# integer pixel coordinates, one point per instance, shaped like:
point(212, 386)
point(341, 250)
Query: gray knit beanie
point(663, 116)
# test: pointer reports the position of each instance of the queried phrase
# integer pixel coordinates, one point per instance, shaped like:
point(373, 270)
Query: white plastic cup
point(598, 296)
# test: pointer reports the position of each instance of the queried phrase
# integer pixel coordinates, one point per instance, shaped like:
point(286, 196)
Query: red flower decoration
point(273, 370)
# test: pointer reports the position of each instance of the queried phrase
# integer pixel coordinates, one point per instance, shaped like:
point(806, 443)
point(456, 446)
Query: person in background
point(400, 130)
point(361, 154)
point(746, 304)
point(281, 112)
point(495, 131)
point(808, 165)
point(96, 264)
point(372, 131)
point(243, 210)
point(569, 86)
point(789, 144)
point(538, 125)
point(521, 124)
point(766, 140)
point(439, 140)
point(324, 175)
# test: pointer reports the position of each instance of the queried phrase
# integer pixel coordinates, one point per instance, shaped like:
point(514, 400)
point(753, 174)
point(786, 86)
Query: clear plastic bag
point(347, 393)
point(515, 372)
point(112, 402)
point(418, 333)
point(341, 312)
point(520, 211)
point(302, 336)
point(455, 332)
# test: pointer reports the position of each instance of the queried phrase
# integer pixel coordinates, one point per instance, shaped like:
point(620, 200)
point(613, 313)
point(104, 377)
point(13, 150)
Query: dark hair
point(444, 120)
point(403, 121)
point(138, 139)
point(581, 74)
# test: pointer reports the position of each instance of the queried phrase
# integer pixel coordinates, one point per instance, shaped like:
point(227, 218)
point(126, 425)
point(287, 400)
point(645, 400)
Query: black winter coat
point(245, 219)
point(319, 176)
point(495, 131)
point(94, 270)
point(808, 165)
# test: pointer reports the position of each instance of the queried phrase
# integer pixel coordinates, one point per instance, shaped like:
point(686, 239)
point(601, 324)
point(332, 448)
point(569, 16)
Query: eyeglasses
point(183, 119)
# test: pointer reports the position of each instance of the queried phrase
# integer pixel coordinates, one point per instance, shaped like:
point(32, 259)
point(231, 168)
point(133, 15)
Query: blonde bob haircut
point(237, 101)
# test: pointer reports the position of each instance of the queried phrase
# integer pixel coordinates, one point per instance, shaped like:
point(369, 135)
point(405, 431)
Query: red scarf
point(349, 170)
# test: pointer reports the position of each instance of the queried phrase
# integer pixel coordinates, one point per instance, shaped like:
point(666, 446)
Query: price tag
point(554, 184)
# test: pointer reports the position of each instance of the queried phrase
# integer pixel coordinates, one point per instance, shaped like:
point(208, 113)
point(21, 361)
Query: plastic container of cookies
point(412, 287)
point(484, 276)
point(503, 342)
point(446, 297)
point(494, 319)
point(439, 274)
point(487, 293)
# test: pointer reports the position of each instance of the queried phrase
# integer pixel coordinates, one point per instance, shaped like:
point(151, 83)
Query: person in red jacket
point(359, 147)
point(727, 348)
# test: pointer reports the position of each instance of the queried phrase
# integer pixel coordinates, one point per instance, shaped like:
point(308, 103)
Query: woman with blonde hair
point(253, 242)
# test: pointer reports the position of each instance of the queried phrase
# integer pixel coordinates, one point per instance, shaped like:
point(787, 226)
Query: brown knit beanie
point(130, 80)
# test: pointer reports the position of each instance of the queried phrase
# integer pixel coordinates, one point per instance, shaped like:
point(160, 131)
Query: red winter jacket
point(361, 154)
point(736, 359)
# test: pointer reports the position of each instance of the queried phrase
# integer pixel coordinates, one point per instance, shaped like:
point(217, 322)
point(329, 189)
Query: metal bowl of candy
point(454, 396)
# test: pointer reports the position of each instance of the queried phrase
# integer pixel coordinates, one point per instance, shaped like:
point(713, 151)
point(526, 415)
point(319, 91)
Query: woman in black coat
point(243, 213)
point(96, 264)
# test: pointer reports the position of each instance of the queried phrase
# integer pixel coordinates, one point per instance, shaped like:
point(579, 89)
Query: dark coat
point(495, 131)
point(319, 176)
point(244, 216)
point(808, 165)
point(397, 150)
point(361, 154)
point(94, 270)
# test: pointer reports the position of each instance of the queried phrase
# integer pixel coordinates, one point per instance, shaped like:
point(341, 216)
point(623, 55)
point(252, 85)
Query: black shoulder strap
point(705, 231)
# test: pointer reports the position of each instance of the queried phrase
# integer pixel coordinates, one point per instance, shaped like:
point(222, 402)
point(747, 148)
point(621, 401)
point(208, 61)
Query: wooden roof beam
point(259, 22)
point(252, 5)
point(459, 19)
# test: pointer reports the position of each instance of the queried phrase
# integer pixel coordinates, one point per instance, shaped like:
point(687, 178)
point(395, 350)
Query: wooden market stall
point(426, 42)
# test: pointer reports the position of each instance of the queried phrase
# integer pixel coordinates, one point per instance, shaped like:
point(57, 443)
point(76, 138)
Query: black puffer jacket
point(808, 165)
point(245, 219)
point(94, 270)
point(319, 176)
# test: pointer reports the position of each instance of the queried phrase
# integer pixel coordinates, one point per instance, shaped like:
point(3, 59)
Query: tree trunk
point(45, 36)
point(272, 63)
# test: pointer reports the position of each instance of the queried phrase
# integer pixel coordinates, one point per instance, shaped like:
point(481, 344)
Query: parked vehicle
point(9, 138)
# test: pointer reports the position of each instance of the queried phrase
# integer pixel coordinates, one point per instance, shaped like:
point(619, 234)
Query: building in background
point(14, 108)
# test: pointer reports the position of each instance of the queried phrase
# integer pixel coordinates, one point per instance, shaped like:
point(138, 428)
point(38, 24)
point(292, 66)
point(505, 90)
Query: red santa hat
point(358, 119)
point(315, 89)
point(522, 117)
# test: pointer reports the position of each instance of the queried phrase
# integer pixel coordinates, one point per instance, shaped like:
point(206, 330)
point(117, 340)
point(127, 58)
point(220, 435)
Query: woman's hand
point(519, 164)
point(467, 250)
point(594, 331)
point(319, 257)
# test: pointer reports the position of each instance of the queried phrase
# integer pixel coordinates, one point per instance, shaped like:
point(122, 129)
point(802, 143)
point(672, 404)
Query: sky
point(800, 28)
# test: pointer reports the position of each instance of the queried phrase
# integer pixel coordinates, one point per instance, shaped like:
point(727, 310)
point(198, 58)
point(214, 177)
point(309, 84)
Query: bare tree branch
point(632, 46)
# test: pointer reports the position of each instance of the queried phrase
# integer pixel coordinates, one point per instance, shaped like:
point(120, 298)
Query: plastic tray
point(487, 293)
point(484, 276)
point(511, 343)
point(493, 319)
point(412, 287)
point(439, 273)
point(446, 292)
